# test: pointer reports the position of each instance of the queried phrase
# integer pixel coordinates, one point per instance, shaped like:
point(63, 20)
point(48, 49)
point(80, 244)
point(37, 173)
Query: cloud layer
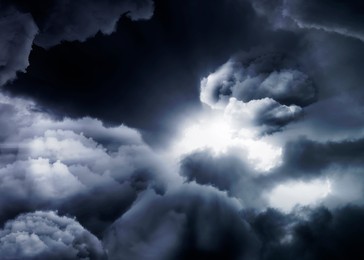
point(270, 167)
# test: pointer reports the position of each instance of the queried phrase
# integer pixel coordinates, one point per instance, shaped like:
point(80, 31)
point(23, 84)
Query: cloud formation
point(260, 89)
point(50, 164)
point(221, 195)
point(17, 32)
point(21, 25)
point(339, 17)
point(78, 21)
point(192, 222)
point(46, 235)
point(310, 234)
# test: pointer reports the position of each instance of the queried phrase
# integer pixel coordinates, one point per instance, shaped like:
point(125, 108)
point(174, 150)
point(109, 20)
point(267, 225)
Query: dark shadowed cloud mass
point(172, 130)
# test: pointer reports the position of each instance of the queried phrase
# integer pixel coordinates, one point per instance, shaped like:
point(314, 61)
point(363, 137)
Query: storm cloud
point(17, 32)
point(179, 228)
point(181, 129)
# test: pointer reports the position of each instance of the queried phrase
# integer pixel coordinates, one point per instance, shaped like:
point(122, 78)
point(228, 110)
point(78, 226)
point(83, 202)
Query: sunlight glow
point(287, 196)
point(218, 135)
point(215, 135)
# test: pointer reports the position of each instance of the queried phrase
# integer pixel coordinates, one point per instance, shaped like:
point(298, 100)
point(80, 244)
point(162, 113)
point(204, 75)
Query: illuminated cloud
point(288, 195)
point(258, 91)
point(57, 164)
point(258, 168)
point(258, 75)
point(220, 135)
point(46, 235)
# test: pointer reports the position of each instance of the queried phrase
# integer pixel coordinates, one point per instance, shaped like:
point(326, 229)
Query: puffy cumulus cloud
point(66, 164)
point(191, 222)
point(17, 32)
point(46, 235)
point(259, 89)
point(29, 184)
point(256, 75)
point(344, 18)
point(78, 21)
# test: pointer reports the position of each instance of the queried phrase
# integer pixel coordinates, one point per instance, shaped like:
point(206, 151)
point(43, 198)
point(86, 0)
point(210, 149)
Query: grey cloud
point(303, 160)
point(192, 222)
point(201, 222)
point(309, 158)
point(261, 88)
point(46, 235)
point(78, 21)
point(65, 164)
point(17, 32)
point(267, 115)
point(336, 16)
point(310, 233)
point(258, 75)
point(227, 172)
point(344, 18)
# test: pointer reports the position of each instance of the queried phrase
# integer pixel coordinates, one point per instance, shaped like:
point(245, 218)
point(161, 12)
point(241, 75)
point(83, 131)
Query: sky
point(181, 129)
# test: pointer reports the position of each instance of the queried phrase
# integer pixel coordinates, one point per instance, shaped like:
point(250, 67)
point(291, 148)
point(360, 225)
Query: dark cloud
point(332, 16)
point(70, 21)
point(321, 234)
point(304, 162)
point(192, 222)
point(141, 63)
point(179, 41)
point(17, 32)
point(46, 235)
point(307, 158)
point(227, 172)
point(343, 18)
point(60, 21)
point(179, 227)
point(220, 171)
